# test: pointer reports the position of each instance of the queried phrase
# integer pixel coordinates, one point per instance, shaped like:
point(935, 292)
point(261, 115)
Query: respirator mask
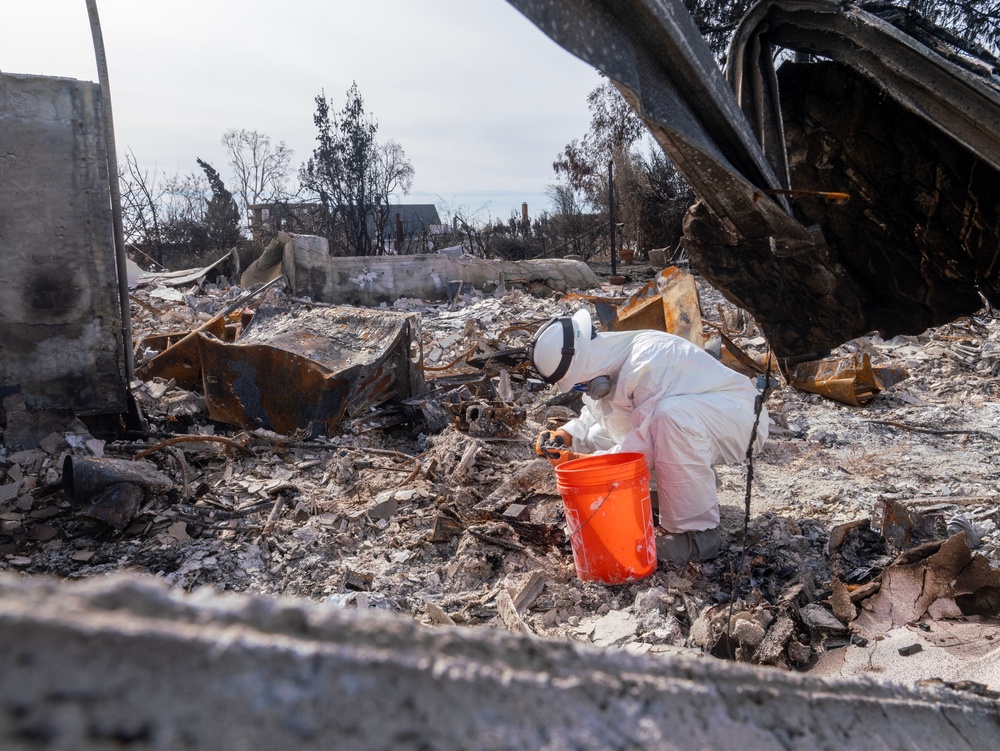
point(595, 388)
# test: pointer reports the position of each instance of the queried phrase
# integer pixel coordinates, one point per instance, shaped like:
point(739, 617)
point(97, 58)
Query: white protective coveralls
point(678, 405)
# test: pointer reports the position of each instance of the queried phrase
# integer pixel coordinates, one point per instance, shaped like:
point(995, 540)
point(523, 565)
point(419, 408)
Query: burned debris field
point(304, 465)
point(871, 545)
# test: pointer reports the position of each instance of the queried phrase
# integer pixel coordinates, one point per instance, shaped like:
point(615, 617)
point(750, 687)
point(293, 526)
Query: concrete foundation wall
point(372, 280)
point(105, 663)
point(60, 323)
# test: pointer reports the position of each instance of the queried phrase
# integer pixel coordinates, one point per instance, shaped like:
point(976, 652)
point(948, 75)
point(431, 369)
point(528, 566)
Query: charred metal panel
point(668, 302)
point(60, 322)
point(913, 248)
point(920, 238)
point(652, 51)
point(307, 372)
point(914, 245)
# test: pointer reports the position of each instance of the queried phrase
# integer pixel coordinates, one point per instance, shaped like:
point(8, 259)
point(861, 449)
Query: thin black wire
point(758, 409)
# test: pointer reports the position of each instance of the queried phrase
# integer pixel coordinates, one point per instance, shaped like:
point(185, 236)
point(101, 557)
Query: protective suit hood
point(606, 355)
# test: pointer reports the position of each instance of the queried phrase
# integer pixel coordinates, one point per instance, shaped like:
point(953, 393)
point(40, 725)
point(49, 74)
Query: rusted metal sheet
point(307, 372)
point(851, 380)
point(178, 356)
point(904, 524)
point(668, 302)
point(181, 359)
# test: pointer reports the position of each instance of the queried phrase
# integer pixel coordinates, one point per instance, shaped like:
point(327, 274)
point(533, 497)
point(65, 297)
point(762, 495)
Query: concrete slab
point(107, 662)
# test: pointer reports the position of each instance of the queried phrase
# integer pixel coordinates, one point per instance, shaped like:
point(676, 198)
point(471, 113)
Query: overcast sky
point(480, 100)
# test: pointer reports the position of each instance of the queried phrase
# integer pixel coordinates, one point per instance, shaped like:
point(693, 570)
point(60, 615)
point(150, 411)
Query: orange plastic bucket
point(610, 519)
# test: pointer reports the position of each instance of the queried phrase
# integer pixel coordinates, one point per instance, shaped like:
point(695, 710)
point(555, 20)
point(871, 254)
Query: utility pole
point(116, 199)
point(611, 215)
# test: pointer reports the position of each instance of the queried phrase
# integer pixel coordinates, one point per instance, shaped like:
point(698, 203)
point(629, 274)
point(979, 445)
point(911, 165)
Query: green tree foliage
point(353, 175)
point(650, 195)
point(614, 130)
point(222, 217)
point(975, 24)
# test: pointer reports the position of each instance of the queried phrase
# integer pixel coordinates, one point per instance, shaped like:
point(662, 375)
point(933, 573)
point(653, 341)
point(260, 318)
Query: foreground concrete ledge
point(106, 662)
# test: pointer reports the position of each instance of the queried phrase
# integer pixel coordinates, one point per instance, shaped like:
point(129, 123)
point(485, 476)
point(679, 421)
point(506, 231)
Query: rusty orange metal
point(307, 372)
point(668, 302)
point(178, 355)
point(850, 380)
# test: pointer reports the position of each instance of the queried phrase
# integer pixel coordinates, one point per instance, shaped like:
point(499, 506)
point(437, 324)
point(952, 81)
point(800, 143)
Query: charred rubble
point(435, 505)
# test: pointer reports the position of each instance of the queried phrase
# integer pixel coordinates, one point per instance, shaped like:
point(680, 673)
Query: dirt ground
point(459, 530)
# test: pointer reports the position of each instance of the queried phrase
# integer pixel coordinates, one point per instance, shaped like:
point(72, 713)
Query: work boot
point(682, 547)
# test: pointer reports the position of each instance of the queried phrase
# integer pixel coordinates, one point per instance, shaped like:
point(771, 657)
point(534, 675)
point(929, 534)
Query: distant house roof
point(416, 218)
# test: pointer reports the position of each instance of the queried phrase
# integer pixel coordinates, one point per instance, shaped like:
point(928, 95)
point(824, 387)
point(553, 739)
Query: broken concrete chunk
point(817, 617)
point(530, 591)
point(509, 615)
point(747, 630)
point(615, 628)
point(437, 614)
point(9, 491)
point(385, 505)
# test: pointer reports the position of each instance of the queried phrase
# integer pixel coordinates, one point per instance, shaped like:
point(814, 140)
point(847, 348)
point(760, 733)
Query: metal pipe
point(116, 198)
point(611, 215)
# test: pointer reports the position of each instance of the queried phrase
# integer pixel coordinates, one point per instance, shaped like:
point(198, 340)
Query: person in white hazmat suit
point(659, 395)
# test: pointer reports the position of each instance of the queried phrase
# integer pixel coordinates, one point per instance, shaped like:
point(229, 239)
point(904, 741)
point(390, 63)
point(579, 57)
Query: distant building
point(405, 227)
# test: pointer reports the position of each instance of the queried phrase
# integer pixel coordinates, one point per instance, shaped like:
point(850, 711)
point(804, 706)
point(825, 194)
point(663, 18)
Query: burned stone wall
point(60, 322)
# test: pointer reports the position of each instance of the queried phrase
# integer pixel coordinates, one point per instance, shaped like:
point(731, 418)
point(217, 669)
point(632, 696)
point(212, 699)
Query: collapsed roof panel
point(915, 244)
point(307, 372)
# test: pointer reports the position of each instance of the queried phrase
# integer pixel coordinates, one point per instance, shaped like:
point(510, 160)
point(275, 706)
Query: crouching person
point(659, 395)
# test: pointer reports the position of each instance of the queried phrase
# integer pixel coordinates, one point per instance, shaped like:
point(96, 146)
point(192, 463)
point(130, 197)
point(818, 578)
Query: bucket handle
point(614, 487)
